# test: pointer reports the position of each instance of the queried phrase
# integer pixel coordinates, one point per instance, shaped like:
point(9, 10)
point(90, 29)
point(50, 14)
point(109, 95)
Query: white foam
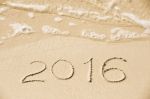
point(116, 33)
point(61, 10)
point(35, 7)
point(75, 11)
point(21, 28)
point(119, 34)
point(81, 12)
point(58, 19)
point(71, 24)
point(52, 30)
point(103, 17)
point(142, 22)
point(111, 4)
point(48, 29)
point(146, 31)
point(3, 9)
point(93, 35)
point(30, 14)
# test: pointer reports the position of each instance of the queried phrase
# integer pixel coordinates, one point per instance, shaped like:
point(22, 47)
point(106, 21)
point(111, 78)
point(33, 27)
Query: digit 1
point(90, 70)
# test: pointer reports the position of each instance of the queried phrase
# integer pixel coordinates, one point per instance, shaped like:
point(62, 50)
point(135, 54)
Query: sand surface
point(74, 49)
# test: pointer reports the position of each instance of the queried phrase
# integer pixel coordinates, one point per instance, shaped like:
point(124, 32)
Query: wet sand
point(58, 55)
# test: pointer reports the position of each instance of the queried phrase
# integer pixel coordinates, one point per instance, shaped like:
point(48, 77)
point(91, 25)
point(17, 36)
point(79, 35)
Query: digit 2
point(24, 80)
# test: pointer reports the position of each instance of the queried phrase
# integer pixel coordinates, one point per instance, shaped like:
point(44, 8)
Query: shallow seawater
point(96, 20)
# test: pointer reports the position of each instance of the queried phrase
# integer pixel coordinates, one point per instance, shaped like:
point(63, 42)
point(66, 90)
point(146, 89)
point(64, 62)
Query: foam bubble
point(21, 28)
point(30, 14)
point(52, 30)
point(58, 19)
point(93, 35)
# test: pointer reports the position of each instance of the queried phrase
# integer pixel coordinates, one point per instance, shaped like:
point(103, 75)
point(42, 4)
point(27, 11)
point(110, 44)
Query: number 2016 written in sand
point(104, 70)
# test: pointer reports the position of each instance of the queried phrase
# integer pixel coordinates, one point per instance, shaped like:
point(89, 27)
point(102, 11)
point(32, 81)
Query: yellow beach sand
point(65, 49)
